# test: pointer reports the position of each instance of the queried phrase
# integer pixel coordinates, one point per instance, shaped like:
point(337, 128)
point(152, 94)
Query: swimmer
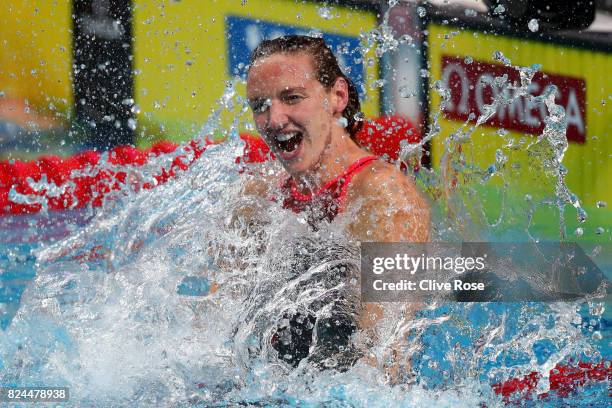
point(308, 112)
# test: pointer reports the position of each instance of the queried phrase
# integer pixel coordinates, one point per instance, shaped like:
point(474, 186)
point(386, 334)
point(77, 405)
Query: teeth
point(283, 137)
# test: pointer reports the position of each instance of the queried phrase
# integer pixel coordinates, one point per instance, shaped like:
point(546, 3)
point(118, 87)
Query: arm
point(253, 199)
point(247, 217)
point(391, 210)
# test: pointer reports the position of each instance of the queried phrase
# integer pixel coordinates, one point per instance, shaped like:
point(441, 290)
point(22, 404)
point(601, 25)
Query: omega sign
point(471, 86)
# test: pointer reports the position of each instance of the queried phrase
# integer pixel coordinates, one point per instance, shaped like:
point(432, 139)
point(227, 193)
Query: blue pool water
point(118, 305)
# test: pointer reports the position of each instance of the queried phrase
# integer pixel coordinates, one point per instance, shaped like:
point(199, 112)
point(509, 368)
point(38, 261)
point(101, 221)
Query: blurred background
point(95, 74)
point(80, 74)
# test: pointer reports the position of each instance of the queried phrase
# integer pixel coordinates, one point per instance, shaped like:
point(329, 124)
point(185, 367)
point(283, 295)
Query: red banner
point(472, 86)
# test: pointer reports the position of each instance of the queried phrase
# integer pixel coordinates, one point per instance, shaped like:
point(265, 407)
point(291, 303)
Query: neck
point(339, 154)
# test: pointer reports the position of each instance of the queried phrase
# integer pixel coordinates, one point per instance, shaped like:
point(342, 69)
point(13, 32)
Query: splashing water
point(169, 297)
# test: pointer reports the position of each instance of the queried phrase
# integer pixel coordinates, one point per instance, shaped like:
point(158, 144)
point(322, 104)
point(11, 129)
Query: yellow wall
point(35, 53)
point(180, 53)
point(590, 164)
point(168, 34)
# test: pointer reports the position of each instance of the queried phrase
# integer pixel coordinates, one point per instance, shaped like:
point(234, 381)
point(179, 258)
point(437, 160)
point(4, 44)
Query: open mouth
point(289, 141)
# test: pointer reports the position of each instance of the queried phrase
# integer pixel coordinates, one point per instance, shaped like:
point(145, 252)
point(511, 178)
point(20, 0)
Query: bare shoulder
point(380, 177)
point(389, 205)
point(383, 182)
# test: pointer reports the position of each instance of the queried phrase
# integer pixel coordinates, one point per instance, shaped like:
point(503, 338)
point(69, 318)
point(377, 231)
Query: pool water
point(158, 298)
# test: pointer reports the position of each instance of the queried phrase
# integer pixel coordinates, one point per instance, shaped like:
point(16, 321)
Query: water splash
point(107, 317)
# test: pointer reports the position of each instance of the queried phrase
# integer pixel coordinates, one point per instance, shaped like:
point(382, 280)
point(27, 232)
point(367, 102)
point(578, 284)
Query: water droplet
point(533, 25)
point(596, 309)
point(379, 83)
point(579, 231)
point(470, 13)
point(468, 60)
point(597, 336)
point(135, 109)
point(343, 122)
point(499, 56)
point(581, 215)
point(421, 11)
point(499, 9)
point(424, 73)
point(405, 92)
point(599, 230)
point(132, 123)
point(502, 132)
point(325, 12)
point(330, 362)
point(601, 204)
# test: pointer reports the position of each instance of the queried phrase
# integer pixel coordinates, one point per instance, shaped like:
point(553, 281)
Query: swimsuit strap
point(344, 177)
point(354, 169)
point(326, 202)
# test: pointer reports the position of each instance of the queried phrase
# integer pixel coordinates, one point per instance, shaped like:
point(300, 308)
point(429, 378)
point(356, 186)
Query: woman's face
point(291, 109)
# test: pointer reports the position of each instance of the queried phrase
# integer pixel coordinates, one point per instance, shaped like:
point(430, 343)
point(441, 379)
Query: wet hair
point(326, 67)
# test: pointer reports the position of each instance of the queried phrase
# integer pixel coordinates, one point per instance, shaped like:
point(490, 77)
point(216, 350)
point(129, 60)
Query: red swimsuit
point(327, 202)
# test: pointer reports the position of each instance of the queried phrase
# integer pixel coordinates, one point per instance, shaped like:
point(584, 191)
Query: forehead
point(280, 71)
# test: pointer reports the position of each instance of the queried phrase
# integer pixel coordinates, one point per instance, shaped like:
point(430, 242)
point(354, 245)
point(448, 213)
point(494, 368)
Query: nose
point(277, 115)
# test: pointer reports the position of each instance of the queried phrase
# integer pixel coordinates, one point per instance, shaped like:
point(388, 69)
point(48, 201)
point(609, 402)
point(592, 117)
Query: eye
point(292, 99)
